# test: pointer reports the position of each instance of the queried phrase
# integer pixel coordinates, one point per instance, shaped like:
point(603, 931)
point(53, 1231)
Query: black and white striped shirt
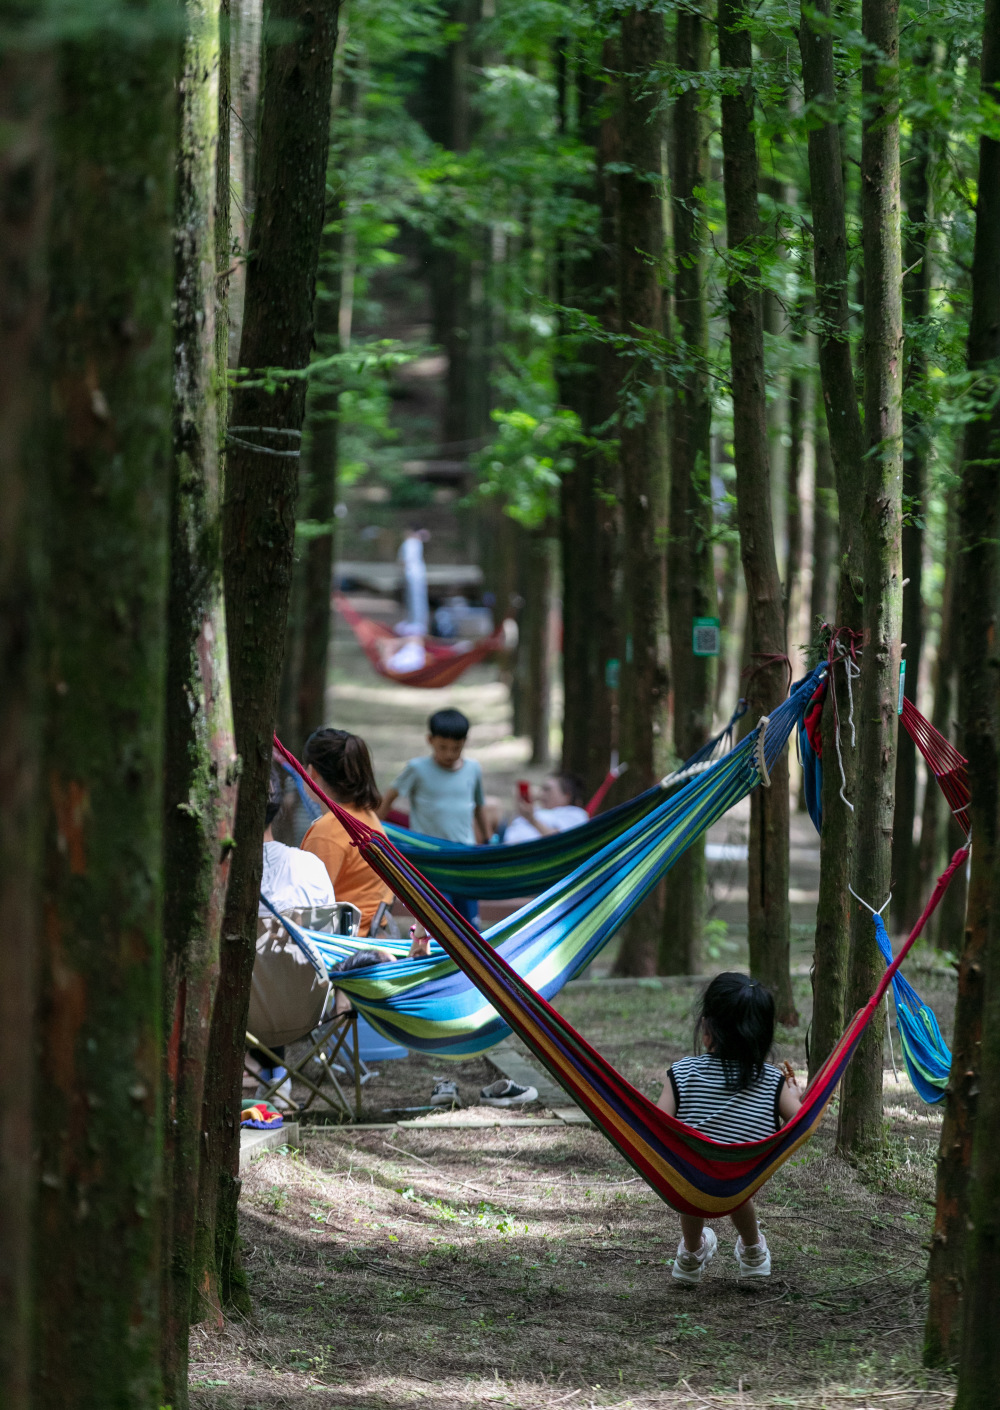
point(705, 1101)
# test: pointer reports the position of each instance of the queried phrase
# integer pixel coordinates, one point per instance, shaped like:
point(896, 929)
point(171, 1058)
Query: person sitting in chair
point(293, 880)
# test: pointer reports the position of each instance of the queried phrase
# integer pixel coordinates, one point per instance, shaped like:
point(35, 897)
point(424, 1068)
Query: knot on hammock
point(764, 661)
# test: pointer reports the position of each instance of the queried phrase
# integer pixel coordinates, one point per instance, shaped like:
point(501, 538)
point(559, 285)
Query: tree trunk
point(643, 442)
point(589, 526)
point(691, 588)
point(258, 535)
point(98, 1096)
point(533, 670)
point(767, 867)
point(25, 188)
point(965, 1252)
point(824, 539)
point(860, 1124)
point(793, 507)
point(906, 903)
point(846, 440)
point(244, 55)
point(200, 763)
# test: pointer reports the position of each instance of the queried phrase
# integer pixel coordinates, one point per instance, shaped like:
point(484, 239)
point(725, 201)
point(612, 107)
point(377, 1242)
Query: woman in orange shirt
point(341, 764)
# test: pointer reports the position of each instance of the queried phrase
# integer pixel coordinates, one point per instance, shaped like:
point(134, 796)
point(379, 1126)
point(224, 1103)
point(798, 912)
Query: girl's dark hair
point(572, 786)
point(342, 760)
point(737, 1016)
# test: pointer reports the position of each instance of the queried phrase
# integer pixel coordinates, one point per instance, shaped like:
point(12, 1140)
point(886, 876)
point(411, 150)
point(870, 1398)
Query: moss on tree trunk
point(965, 1251)
point(860, 1124)
point(767, 866)
point(691, 590)
point(258, 533)
point(98, 1101)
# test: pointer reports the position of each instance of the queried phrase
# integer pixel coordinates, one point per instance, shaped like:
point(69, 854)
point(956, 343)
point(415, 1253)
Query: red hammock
point(944, 761)
point(445, 661)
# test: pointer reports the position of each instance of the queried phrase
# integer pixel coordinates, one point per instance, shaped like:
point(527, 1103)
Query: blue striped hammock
point(430, 1005)
point(525, 868)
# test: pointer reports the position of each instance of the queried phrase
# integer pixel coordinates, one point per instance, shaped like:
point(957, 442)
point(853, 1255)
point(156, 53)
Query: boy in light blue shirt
point(445, 792)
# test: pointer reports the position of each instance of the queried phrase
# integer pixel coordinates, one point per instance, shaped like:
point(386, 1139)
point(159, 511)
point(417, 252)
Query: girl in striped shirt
point(731, 1094)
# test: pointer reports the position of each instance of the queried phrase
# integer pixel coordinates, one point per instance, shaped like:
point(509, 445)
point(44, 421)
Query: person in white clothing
point(559, 808)
point(418, 612)
point(293, 880)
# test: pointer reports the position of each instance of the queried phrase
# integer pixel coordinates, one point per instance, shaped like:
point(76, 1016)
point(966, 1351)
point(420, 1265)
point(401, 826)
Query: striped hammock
point(526, 868)
point(430, 1005)
point(692, 1173)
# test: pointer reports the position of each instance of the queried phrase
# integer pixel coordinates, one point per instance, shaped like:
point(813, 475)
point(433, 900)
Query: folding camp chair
point(292, 999)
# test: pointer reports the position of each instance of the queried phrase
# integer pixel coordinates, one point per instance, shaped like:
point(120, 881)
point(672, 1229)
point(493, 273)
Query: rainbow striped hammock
point(526, 868)
point(692, 1173)
point(430, 1005)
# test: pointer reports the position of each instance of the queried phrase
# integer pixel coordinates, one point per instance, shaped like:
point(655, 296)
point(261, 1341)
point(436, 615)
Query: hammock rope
point(689, 1171)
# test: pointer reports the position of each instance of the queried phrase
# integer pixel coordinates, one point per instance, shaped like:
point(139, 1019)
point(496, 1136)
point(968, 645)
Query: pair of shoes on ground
point(500, 1093)
point(754, 1262)
point(282, 1098)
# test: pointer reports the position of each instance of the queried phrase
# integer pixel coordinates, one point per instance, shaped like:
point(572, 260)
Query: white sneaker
point(755, 1261)
point(689, 1267)
point(506, 1093)
point(445, 1094)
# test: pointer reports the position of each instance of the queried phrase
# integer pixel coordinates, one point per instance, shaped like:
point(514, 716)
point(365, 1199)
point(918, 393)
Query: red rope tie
point(765, 659)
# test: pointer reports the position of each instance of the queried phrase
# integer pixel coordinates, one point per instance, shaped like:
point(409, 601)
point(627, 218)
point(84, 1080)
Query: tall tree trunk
point(940, 833)
point(691, 588)
point(534, 668)
point(200, 762)
point(258, 534)
point(589, 517)
point(906, 903)
point(793, 505)
point(826, 182)
point(643, 441)
point(860, 1124)
point(767, 884)
point(244, 56)
point(98, 1097)
point(824, 537)
point(965, 1251)
point(25, 188)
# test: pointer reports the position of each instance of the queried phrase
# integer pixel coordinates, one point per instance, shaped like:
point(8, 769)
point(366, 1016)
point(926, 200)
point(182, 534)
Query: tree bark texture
point(860, 1124)
point(847, 448)
point(691, 590)
point(643, 444)
point(200, 764)
point(906, 902)
point(824, 537)
point(98, 1098)
point(26, 80)
point(589, 519)
point(533, 672)
point(767, 867)
point(258, 536)
point(965, 1251)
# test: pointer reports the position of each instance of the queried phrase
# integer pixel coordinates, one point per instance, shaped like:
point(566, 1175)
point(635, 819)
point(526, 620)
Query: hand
point(525, 808)
point(420, 943)
point(790, 1077)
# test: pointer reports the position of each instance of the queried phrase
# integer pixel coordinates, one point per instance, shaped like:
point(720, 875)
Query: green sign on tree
point(706, 636)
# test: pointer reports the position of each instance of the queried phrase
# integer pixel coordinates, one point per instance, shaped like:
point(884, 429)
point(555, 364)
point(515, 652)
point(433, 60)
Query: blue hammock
point(926, 1054)
point(497, 872)
point(430, 1005)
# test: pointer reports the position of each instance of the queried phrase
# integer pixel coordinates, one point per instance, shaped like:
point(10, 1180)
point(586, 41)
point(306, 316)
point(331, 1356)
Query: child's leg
point(691, 1228)
point(745, 1222)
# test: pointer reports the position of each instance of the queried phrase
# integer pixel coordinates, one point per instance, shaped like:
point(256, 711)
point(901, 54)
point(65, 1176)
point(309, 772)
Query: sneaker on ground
point(445, 1094)
point(506, 1093)
point(689, 1267)
point(755, 1261)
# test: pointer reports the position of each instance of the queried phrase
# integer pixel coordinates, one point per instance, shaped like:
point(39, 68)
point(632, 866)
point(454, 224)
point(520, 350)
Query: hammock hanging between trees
point(526, 868)
point(443, 661)
point(429, 1005)
point(692, 1173)
point(925, 1053)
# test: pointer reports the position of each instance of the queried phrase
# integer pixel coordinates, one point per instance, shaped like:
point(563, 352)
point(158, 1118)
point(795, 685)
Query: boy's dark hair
point(737, 1016)
point(275, 795)
point(448, 724)
point(572, 786)
point(343, 762)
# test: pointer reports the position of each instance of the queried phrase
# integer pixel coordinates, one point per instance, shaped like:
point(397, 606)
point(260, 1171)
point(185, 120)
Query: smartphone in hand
point(524, 788)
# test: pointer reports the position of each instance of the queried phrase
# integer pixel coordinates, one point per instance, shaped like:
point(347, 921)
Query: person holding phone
point(560, 800)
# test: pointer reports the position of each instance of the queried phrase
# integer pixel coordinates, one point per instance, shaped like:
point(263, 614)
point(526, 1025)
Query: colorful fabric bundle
point(261, 1117)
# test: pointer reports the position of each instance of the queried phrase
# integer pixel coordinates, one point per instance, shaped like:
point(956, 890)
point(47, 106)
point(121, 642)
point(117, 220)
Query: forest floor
point(530, 1266)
